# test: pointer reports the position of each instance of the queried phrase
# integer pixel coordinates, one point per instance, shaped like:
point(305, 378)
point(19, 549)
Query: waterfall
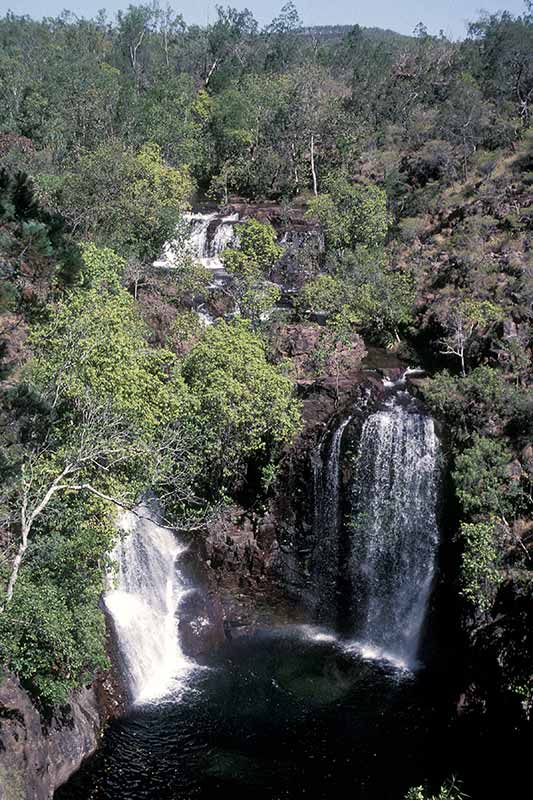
point(325, 557)
point(210, 235)
point(143, 603)
point(394, 531)
point(205, 237)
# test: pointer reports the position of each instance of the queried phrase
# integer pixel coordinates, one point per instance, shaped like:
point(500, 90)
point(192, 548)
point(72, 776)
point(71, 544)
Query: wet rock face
point(36, 755)
point(200, 614)
point(201, 624)
point(240, 550)
point(303, 249)
point(301, 239)
point(500, 657)
point(257, 563)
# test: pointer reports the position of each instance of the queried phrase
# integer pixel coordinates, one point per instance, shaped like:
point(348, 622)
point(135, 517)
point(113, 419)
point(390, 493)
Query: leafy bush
point(325, 294)
point(52, 634)
point(376, 300)
point(38, 255)
point(480, 576)
point(351, 215)
point(130, 201)
point(97, 342)
point(249, 264)
point(449, 791)
point(245, 406)
point(256, 252)
point(481, 401)
point(482, 479)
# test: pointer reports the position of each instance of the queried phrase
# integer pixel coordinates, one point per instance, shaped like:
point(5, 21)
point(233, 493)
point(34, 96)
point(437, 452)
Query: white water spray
point(143, 604)
point(394, 527)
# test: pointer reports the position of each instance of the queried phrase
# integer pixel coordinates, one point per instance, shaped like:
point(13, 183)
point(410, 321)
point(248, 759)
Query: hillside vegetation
point(414, 156)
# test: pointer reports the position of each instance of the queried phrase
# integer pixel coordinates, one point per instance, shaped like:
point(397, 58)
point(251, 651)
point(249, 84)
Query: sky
point(401, 15)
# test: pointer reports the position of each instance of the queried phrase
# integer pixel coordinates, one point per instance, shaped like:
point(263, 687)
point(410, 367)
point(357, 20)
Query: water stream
point(325, 565)
point(143, 601)
point(393, 526)
point(205, 237)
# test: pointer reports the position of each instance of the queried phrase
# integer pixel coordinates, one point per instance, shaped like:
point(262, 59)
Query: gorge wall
point(39, 752)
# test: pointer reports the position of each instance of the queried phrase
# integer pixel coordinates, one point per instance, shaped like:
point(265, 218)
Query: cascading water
point(281, 704)
point(394, 531)
point(210, 235)
point(205, 237)
point(143, 605)
point(325, 557)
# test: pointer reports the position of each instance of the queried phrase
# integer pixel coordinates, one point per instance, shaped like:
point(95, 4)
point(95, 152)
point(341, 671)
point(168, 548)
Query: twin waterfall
point(376, 546)
point(376, 538)
point(143, 604)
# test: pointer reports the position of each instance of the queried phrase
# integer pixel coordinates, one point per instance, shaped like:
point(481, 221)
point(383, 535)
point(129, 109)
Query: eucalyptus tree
point(504, 60)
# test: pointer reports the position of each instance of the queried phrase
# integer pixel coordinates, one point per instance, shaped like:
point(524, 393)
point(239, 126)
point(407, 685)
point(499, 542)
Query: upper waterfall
point(143, 604)
point(206, 236)
point(394, 531)
point(210, 234)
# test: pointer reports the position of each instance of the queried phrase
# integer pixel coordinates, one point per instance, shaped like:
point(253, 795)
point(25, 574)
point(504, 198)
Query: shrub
point(482, 480)
point(480, 576)
point(245, 406)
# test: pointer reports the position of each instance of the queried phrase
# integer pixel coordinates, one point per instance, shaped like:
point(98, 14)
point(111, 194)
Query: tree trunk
point(313, 170)
point(296, 176)
point(16, 565)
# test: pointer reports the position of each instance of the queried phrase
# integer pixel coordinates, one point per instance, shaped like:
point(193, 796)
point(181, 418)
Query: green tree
point(249, 264)
point(504, 62)
point(480, 574)
point(372, 300)
point(482, 401)
point(97, 340)
point(324, 294)
point(52, 634)
point(246, 409)
point(129, 201)
point(466, 319)
point(351, 215)
point(101, 399)
point(482, 479)
point(39, 257)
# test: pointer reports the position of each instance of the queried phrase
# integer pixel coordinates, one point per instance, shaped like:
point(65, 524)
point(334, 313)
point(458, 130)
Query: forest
point(411, 157)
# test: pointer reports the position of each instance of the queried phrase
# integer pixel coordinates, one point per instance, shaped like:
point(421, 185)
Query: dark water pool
point(278, 715)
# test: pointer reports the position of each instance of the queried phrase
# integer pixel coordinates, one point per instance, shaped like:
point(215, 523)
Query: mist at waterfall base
point(143, 602)
point(301, 711)
point(394, 531)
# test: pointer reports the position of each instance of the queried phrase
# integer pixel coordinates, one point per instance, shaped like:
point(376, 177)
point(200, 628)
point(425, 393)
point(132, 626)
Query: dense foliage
point(96, 417)
point(245, 406)
point(449, 791)
point(413, 158)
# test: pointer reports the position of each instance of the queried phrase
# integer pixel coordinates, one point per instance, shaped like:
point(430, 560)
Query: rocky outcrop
point(39, 751)
point(301, 238)
point(256, 560)
point(38, 755)
point(200, 612)
point(241, 552)
point(317, 361)
point(499, 672)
